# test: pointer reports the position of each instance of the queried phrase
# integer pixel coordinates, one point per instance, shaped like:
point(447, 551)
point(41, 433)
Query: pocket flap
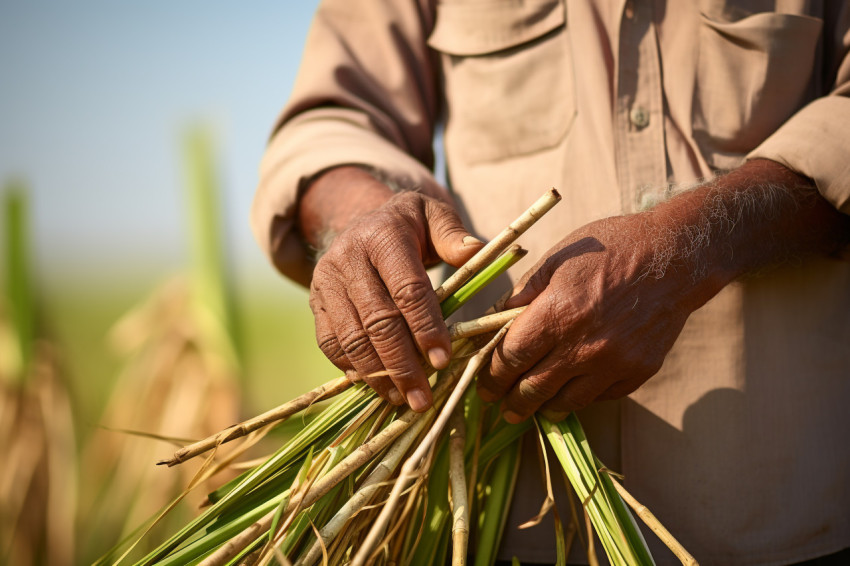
point(763, 31)
point(478, 28)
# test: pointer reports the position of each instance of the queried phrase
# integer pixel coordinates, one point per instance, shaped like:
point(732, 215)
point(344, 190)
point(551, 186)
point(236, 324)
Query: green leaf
point(617, 531)
point(433, 544)
point(494, 515)
point(483, 278)
point(19, 285)
point(299, 481)
point(213, 292)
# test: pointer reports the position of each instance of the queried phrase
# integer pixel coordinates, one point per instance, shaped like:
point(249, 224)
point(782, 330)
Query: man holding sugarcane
point(726, 290)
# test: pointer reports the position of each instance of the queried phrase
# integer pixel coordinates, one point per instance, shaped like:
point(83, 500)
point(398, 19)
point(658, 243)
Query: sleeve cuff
point(815, 142)
point(310, 144)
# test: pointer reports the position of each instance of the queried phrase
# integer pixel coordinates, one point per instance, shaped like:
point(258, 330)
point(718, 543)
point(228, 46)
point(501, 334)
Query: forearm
point(757, 216)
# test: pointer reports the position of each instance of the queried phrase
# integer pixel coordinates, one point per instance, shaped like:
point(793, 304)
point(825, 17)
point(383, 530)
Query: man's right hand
point(373, 303)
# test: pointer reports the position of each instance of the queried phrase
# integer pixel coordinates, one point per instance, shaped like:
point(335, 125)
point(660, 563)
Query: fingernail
point(417, 400)
point(395, 397)
point(512, 417)
point(471, 241)
point(439, 357)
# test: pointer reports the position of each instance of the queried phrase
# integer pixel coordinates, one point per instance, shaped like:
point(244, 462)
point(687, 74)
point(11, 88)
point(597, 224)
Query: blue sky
point(94, 98)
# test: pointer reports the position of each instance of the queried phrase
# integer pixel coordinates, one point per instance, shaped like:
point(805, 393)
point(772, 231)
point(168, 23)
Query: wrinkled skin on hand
point(599, 322)
point(374, 307)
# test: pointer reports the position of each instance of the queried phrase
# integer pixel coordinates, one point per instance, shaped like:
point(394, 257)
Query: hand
point(608, 302)
point(599, 322)
point(373, 303)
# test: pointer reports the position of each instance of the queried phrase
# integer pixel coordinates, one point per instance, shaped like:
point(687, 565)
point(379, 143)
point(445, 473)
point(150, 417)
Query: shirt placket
point(639, 109)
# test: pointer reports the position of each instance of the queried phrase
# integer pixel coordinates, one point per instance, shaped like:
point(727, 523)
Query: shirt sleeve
point(365, 95)
point(815, 141)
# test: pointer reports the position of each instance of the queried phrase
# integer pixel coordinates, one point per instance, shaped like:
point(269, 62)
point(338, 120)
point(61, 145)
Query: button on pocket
point(507, 75)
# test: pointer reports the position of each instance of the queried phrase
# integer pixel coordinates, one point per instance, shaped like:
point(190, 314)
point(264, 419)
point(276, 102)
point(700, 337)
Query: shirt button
point(639, 117)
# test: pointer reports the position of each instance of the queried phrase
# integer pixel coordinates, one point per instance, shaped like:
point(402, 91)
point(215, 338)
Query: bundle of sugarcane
point(364, 482)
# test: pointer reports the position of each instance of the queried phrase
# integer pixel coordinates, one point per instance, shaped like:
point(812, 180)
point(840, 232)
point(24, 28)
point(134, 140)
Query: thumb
point(530, 286)
point(448, 237)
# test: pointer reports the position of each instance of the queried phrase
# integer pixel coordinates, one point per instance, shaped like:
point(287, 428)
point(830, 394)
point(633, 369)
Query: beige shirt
point(739, 444)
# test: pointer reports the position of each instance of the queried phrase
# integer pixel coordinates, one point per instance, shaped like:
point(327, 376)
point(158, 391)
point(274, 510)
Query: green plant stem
point(486, 276)
point(212, 290)
point(495, 512)
point(614, 525)
point(19, 287)
point(494, 247)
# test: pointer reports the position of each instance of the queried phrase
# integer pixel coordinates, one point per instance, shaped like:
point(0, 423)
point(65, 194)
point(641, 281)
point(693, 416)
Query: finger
point(526, 343)
point(402, 273)
point(537, 279)
point(330, 346)
point(353, 342)
point(530, 286)
point(390, 339)
point(327, 340)
point(325, 333)
point(447, 235)
point(576, 394)
point(535, 388)
point(621, 389)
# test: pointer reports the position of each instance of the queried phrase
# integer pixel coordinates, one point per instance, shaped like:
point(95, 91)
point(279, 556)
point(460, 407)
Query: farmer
point(699, 321)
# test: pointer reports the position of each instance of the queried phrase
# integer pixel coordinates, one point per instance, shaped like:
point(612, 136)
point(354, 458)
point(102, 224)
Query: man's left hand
point(599, 321)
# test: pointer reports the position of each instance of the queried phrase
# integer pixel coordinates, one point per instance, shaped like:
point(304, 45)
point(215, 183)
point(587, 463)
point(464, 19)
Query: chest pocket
point(507, 74)
point(752, 75)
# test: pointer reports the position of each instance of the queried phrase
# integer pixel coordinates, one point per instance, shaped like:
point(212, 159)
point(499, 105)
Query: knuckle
point(389, 337)
point(510, 358)
point(411, 295)
point(409, 198)
point(330, 346)
point(384, 325)
point(404, 378)
point(444, 219)
point(536, 391)
point(355, 343)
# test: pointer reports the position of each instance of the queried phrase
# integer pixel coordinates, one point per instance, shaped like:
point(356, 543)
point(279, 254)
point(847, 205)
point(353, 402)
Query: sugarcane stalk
point(489, 323)
point(324, 391)
point(653, 523)
point(497, 245)
point(457, 476)
point(612, 521)
point(502, 481)
point(370, 486)
point(481, 279)
point(324, 484)
point(457, 331)
point(410, 468)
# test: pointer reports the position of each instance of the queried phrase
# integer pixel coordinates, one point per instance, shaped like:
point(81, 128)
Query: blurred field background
point(96, 99)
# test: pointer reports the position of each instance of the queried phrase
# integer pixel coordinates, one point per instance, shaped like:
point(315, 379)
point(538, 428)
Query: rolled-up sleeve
point(815, 141)
point(365, 95)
